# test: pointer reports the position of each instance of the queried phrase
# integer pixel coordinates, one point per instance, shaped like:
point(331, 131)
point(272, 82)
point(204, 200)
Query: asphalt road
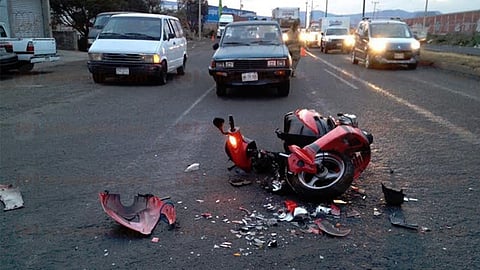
point(64, 139)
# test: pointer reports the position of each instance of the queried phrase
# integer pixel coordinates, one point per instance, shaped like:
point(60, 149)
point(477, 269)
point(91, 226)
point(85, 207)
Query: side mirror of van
point(215, 46)
point(171, 35)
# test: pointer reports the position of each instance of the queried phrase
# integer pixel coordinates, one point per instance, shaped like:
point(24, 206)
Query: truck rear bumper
point(37, 58)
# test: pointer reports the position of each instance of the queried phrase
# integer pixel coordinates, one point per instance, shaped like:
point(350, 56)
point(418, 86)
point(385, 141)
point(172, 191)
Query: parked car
point(100, 21)
point(8, 59)
point(380, 42)
point(138, 44)
point(251, 53)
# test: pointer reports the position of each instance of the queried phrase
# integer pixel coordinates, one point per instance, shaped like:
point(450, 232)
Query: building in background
point(26, 18)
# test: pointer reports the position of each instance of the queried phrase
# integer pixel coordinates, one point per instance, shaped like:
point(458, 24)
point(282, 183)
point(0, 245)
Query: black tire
point(369, 64)
point(412, 66)
point(221, 90)
point(25, 67)
point(335, 178)
point(162, 75)
point(181, 70)
point(354, 58)
point(98, 77)
point(284, 89)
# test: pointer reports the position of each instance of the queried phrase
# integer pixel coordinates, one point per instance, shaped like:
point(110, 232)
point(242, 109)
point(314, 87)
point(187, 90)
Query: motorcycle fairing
point(237, 148)
point(308, 119)
point(142, 215)
point(342, 139)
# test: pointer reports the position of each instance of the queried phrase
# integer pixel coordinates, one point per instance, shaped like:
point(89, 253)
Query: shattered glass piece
point(11, 197)
point(299, 211)
point(142, 215)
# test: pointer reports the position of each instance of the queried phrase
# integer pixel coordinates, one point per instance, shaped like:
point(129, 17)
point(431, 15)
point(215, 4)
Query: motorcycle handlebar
point(232, 124)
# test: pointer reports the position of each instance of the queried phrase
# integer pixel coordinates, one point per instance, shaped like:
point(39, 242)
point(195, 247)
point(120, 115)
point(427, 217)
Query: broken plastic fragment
point(11, 197)
point(400, 222)
point(299, 211)
point(392, 196)
point(142, 215)
point(329, 228)
point(192, 167)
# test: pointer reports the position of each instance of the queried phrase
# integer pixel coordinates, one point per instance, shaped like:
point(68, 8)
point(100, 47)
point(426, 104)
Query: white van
point(222, 22)
point(138, 44)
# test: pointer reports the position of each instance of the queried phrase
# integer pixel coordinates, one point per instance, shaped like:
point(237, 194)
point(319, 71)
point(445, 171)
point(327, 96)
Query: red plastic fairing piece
point(142, 215)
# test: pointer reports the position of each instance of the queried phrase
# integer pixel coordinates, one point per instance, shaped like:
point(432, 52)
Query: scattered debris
point(400, 222)
point(11, 197)
point(192, 167)
point(392, 196)
point(155, 240)
point(376, 212)
point(142, 215)
point(330, 229)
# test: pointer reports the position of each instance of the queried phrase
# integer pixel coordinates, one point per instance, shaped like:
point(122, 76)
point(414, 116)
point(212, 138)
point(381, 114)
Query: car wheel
point(284, 89)
point(162, 76)
point(181, 70)
point(25, 67)
point(354, 58)
point(221, 90)
point(369, 61)
point(98, 77)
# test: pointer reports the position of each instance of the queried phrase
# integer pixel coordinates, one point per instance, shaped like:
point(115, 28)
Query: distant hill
point(355, 18)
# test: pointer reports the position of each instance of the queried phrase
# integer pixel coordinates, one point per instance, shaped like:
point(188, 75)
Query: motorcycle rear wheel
point(332, 180)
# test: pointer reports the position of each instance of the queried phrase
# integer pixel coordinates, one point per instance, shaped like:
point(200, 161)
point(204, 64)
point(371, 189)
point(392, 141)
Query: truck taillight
point(8, 47)
point(30, 47)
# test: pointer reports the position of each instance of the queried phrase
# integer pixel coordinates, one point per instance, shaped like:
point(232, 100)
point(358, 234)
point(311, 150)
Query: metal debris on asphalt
point(192, 167)
point(11, 197)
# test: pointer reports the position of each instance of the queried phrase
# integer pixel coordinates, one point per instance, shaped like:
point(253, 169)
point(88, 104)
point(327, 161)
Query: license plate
point(398, 55)
point(250, 76)
point(122, 71)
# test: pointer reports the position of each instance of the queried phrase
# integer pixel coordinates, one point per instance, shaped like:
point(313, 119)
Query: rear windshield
point(388, 30)
point(132, 28)
point(336, 31)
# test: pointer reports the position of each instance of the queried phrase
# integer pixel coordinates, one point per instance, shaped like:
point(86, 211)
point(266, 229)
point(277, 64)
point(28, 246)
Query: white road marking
point(466, 135)
point(341, 79)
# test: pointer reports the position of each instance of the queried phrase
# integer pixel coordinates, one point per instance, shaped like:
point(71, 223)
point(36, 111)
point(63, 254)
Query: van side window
point(167, 29)
point(3, 33)
point(177, 27)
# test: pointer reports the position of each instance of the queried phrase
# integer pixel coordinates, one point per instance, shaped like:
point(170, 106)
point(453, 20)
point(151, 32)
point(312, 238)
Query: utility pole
point(363, 10)
point(326, 9)
point(374, 7)
point(425, 15)
point(306, 9)
point(199, 19)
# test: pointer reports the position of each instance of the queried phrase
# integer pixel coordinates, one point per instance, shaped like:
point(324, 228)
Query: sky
point(344, 7)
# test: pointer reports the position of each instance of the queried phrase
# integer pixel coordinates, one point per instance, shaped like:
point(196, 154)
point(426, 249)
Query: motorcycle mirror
point(218, 122)
point(232, 124)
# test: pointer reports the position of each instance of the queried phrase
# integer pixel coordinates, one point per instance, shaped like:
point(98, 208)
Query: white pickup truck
point(30, 50)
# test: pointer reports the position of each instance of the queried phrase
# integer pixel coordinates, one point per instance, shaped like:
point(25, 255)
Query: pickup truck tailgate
point(44, 46)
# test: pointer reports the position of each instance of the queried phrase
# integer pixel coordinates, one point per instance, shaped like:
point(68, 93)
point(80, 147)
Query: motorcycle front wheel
point(334, 177)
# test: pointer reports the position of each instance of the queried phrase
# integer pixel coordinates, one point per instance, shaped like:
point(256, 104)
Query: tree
point(79, 13)
point(191, 11)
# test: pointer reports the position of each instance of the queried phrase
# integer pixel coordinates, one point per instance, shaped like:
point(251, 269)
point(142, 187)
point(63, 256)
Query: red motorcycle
point(322, 157)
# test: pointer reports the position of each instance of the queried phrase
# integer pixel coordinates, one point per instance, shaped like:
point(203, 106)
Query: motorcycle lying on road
point(322, 157)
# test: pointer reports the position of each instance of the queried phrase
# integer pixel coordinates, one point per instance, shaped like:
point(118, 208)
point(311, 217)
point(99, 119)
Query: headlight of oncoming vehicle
point(95, 56)
point(151, 58)
point(349, 41)
point(415, 45)
point(377, 45)
point(284, 36)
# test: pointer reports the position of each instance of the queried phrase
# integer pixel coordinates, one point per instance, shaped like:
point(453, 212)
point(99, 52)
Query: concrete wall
point(66, 40)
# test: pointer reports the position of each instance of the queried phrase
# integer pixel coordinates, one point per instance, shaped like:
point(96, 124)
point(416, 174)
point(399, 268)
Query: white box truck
point(222, 22)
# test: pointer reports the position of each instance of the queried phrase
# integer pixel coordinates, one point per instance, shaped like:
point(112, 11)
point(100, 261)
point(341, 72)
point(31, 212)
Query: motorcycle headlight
point(152, 58)
point(284, 36)
point(415, 45)
point(232, 141)
point(377, 45)
point(95, 56)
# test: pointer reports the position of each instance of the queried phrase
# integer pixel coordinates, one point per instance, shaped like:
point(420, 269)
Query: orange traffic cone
point(303, 52)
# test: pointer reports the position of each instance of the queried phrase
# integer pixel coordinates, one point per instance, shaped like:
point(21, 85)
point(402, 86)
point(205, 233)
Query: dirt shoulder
point(461, 63)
